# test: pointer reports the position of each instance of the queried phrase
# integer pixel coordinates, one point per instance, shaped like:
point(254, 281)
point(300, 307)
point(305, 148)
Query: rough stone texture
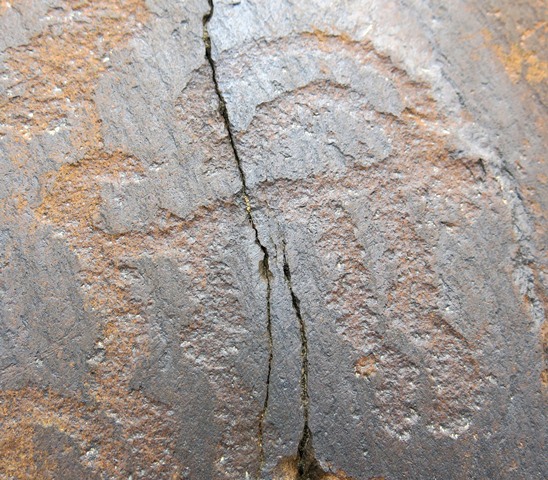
point(269, 239)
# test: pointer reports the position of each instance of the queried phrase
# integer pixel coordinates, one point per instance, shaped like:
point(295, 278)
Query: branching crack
point(264, 266)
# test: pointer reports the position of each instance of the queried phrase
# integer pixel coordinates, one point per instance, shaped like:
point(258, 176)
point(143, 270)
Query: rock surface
point(266, 239)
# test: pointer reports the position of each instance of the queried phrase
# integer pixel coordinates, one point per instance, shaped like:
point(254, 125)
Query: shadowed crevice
point(308, 467)
point(264, 268)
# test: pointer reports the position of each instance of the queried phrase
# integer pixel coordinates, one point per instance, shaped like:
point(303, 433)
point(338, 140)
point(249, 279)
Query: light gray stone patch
point(158, 104)
point(180, 189)
point(184, 187)
point(238, 23)
point(314, 136)
point(204, 306)
point(136, 99)
point(127, 206)
point(24, 19)
point(23, 166)
point(270, 70)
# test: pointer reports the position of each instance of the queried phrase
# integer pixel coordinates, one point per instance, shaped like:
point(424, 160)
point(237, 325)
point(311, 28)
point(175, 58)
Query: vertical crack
point(304, 346)
point(307, 465)
point(264, 267)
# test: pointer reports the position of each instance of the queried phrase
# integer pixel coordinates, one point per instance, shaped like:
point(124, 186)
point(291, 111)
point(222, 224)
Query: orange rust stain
point(16, 447)
point(58, 70)
point(71, 201)
point(287, 469)
point(544, 377)
point(90, 424)
point(537, 70)
point(366, 366)
point(324, 36)
point(5, 5)
point(519, 60)
point(23, 410)
point(75, 193)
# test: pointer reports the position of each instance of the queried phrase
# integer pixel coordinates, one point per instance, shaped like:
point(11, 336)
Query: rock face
point(266, 239)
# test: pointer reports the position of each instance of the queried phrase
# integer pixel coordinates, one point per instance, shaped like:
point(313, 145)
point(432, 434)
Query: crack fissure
point(264, 267)
point(307, 466)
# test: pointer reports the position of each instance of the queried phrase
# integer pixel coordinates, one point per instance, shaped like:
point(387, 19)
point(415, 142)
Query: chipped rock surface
point(267, 239)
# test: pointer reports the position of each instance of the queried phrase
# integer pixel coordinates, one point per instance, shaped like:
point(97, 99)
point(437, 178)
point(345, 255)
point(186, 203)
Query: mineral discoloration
point(365, 366)
point(264, 240)
point(138, 364)
point(49, 80)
